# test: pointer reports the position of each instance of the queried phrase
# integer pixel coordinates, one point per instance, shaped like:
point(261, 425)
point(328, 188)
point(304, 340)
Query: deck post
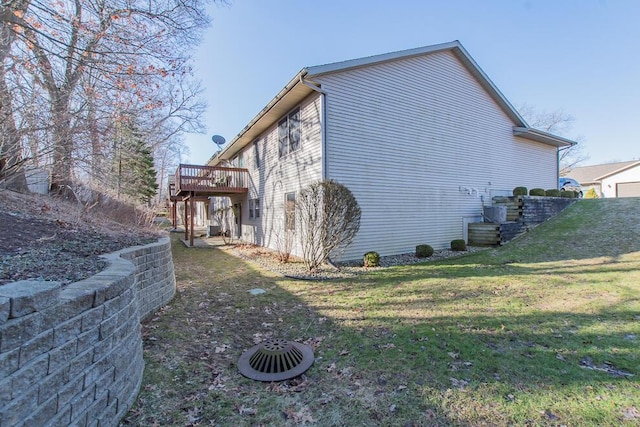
point(191, 219)
point(186, 220)
point(174, 214)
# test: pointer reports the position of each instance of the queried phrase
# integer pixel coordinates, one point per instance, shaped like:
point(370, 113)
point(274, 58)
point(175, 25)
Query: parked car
point(570, 184)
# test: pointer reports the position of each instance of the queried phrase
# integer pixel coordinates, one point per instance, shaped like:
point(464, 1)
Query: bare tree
point(329, 218)
point(95, 60)
point(560, 123)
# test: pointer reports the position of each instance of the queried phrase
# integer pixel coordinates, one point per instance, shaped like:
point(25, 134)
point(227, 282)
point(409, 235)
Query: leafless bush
point(91, 202)
point(329, 218)
point(220, 217)
point(285, 238)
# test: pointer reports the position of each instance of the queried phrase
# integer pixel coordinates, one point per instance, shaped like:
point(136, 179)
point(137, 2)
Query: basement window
point(290, 211)
point(254, 208)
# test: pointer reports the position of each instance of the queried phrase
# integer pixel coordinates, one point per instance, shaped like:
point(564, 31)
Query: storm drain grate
point(275, 360)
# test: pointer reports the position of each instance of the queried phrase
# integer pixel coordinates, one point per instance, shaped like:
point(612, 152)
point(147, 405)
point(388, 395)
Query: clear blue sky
point(579, 56)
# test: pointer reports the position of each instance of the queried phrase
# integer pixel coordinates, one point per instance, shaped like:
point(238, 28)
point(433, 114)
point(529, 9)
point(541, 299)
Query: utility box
point(495, 214)
point(213, 230)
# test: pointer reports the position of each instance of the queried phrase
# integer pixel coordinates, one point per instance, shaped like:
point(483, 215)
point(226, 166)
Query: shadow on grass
point(450, 343)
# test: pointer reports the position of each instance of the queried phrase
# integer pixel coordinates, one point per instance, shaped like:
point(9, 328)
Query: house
point(621, 179)
point(422, 138)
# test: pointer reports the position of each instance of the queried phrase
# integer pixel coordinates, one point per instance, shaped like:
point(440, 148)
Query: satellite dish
point(218, 140)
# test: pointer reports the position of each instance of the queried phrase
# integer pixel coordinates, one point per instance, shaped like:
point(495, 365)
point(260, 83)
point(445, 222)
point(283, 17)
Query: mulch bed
point(43, 238)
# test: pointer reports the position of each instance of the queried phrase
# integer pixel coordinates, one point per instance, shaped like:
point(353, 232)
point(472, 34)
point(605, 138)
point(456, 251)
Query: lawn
point(542, 331)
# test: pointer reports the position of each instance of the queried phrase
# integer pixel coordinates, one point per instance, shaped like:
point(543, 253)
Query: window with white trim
point(256, 153)
point(254, 208)
point(289, 133)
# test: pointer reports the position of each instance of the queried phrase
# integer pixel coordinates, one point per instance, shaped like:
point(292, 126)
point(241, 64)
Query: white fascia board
point(543, 137)
point(246, 136)
point(375, 59)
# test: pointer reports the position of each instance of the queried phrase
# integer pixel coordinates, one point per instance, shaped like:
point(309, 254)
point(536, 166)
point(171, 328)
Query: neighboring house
point(621, 179)
point(421, 137)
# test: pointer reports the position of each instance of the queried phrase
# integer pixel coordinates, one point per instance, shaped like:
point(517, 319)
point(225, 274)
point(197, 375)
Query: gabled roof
point(595, 173)
point(298, 89)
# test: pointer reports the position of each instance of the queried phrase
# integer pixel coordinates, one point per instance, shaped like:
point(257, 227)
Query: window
point(289, 133)
point(238, 161)
point(256, 154)
point(254, 208)
point(290, 211)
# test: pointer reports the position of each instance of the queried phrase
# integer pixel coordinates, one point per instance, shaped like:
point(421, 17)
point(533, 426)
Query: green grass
point(542, 331)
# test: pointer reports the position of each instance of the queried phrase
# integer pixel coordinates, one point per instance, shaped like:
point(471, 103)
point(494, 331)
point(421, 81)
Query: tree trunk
point(11, 166)
point(62, 139)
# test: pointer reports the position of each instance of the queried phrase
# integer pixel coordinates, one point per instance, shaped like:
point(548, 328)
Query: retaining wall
point(72, 355)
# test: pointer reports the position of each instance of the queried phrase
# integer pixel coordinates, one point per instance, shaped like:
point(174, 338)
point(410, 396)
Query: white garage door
point(628, 189)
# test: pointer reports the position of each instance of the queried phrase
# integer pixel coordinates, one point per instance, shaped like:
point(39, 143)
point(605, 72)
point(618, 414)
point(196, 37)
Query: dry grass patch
point(520, 335)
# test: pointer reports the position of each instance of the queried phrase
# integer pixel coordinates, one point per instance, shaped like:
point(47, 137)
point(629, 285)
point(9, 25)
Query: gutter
point(220, 156)
point(323, 124)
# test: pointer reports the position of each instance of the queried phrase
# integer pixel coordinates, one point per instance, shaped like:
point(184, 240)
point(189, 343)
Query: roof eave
point(617, 171)
point(542, 137)
point(291, 94)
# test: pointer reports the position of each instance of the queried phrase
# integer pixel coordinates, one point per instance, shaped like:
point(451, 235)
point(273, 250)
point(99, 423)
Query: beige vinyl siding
point(277, 176)
point(408, 137)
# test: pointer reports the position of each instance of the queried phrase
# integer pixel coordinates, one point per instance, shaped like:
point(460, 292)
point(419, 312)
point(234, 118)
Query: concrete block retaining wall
point(72, 355)
point(536, 210)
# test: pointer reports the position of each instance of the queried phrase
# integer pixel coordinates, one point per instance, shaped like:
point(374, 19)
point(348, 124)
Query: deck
point(195, 183)
point(208, 181)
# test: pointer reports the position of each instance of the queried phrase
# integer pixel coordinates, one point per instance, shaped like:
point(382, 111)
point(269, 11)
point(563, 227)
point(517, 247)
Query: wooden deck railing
point(210, 179)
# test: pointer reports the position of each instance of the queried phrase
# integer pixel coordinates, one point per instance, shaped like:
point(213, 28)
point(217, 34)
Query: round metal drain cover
point(275, 360)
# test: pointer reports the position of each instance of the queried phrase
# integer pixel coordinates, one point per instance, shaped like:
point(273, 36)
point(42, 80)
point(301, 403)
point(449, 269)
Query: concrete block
point(5, 391)
point(102, 348)
point(36, 346)
point(9, 362)
point(109, 414)
point(60, 357)
point(79, 365)
point(81, 402)
point(92, 318)
point(19, 330)
point(116, 304)
point(52, 383)
point(88, 340)
point(73, 302)
point(108, 326)
point(21, 407)
point(62, 417)
point(69, 391)
point(98, 406)
point(28, 296)
point(96, 370)
point(67, 331)
point(5, 309)
point(45, 412)
point(28, 375)
point(105, 381)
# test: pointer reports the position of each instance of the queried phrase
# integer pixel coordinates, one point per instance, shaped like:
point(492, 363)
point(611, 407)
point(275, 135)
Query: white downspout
point(323, 126)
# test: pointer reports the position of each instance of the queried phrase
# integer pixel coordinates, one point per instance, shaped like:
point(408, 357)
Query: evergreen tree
point(136, 175)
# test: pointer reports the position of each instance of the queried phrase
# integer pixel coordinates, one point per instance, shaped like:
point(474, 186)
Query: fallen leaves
point(221, 349)
point(459, 384)
point(302, 416)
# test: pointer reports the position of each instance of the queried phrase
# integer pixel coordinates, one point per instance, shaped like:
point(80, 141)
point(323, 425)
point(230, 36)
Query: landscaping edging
point(73, 354)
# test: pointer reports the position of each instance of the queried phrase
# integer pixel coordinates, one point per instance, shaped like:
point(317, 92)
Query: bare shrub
point(96, 204)
point(329, 218)
point(285, 238)
point(220, 217)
